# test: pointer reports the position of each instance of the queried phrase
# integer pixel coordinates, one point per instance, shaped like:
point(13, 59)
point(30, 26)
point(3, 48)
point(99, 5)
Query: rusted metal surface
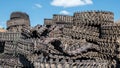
point(86, 40)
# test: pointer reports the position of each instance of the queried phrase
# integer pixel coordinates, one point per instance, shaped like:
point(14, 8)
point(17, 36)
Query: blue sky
point(40, 9)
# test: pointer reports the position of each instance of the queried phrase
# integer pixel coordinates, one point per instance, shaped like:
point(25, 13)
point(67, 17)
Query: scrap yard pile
point(85, 40)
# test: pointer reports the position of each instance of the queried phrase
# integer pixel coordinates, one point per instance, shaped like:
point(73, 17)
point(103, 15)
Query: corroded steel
point(86, 40)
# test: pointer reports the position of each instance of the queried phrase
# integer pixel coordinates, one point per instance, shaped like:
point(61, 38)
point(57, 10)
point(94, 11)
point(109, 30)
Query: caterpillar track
point(87, 39)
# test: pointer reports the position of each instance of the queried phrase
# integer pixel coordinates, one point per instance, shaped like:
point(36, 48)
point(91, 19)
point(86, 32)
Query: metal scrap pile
point(86, 39)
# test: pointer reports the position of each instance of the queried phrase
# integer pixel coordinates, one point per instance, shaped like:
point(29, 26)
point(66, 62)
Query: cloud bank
point(38, 5)
point(64, 12)
point(71, 3)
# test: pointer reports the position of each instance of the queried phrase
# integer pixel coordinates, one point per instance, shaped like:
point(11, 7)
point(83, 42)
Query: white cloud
point(38, 5)
point(64, 12)
point(71, 3)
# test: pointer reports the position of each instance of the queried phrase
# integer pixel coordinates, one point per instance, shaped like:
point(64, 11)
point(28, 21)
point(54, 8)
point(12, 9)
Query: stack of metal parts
point(17, 21)
point(85, 40)
point(110, 31)
point(93, 18)
point(91, 22)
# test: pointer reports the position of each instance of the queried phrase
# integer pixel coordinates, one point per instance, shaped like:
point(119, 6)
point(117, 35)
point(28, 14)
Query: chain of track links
point(93, 18)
